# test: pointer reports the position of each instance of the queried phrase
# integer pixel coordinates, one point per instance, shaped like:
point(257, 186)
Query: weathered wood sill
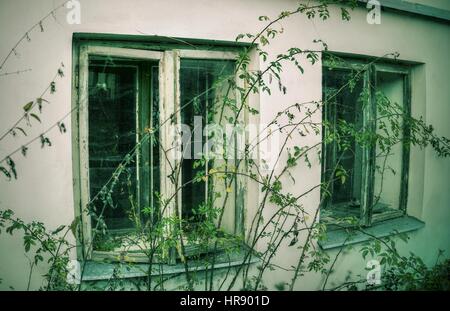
point(97, 271)
point(341, 237)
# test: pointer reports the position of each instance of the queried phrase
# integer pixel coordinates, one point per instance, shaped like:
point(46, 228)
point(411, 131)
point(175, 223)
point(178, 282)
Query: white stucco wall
point(44, 188)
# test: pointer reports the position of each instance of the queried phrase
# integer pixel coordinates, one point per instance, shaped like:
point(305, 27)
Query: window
point(124, 94)
point(367, 182)
point(117, 119)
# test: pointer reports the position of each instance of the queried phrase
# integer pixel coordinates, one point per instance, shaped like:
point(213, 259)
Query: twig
point(38, 137)
point(24, 116)
point(26, 35)
point(15, 72)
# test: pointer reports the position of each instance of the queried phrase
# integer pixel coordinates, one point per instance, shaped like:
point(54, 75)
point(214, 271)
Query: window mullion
point(84, 150)
point(168, 120)
point(405, 149)
point(239, 146)
point(334, 148)
point(368, 153)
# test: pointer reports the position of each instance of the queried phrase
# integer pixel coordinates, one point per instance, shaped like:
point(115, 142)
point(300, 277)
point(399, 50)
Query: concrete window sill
point(340, 237)
point(97, 271)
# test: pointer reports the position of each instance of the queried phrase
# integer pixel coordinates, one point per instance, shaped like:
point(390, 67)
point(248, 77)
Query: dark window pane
point(343, 105)
point(201, 85)
point(123, 108)
point(149, 161)
point(112, 134)
point(388, 161)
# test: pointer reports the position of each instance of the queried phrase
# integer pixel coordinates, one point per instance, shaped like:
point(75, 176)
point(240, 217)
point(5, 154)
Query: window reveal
point(369, 183)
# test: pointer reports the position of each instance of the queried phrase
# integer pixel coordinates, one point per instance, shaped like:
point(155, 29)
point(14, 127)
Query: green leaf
point(62, 127)
point(239, 37)
point(293, 241)
point(12, 166)
point(312, 57)
point(41, 100)
point(24, 151)
point(38, 258)
point(45, 141)
point(14, 226)
point(5, 172)
point(58, 230)
point(28, 242)
point(22, 130)
point(284, 14)
point(263, 40)
point(35, 116)
point(377, 247)
point(280, 286)
point(52, 87)
point(364, 253)
point(345, 15)
point(28, 106)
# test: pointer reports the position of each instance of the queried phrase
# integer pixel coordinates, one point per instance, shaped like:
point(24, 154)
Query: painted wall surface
point(44, 189)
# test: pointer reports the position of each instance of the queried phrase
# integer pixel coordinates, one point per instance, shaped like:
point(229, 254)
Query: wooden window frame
point(169, 103)
point(369, 112)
